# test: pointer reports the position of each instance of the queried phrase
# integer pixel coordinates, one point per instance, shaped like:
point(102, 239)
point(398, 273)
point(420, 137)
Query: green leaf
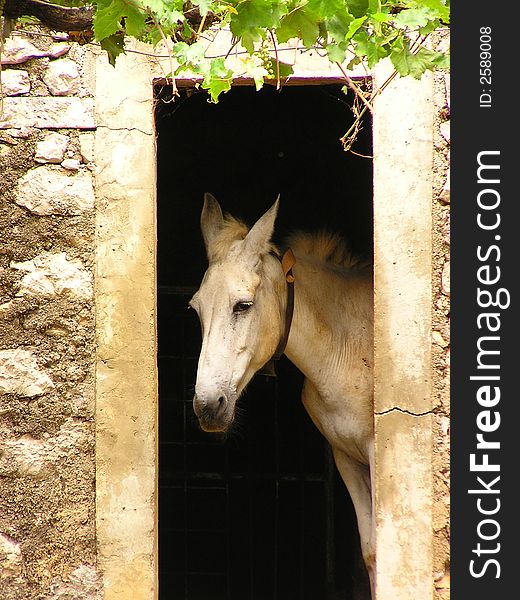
point(188, 54)
point(407, 63)
point(326, 9)
point(253, 18)
point(336, 52)
point(249, 38)
point(354, 27)
point(107, 19)
point(204, 6)
point(299, 23)
point(338, 25)
point(110, 15)
point(162, 7)
point(381, 17)
point(255, 70)
point(429, 27)
point(433, 60)
point(114, 45)
point(167, 12)
point(134, 21)
point(285, 68)
point(180, 51)
point(441, 7)
point(358, 8)
point(414, 17)
point(218, 79)
point(355, 61)
point(195, 53)
point(400, 57)
point(157, 6)
point(369, 47)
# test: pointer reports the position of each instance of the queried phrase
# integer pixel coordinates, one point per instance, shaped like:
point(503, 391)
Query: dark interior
point(261, 513)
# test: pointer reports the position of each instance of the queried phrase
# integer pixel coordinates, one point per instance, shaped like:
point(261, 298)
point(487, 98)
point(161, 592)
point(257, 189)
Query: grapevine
point(346, 32)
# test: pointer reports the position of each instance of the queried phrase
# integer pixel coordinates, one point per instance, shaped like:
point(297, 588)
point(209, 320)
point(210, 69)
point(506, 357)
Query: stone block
point(10, 557)
point(445, 130)
point(28, 456)
point(86, 144)
point(48, 113)
point(20, 374)
point(18, 50)
point(23, 457)
point(84, 583)
point(51, 274)
point(15, 82)
point(71, 164)
point(49, 190)
point(62, 77)
point(52, 148)
point(445, 278)
point(24, 133)
point(444, 196)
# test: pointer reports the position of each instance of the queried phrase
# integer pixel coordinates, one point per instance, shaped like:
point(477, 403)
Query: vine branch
point(397, 30)
point(175, 91)
point(278, 85)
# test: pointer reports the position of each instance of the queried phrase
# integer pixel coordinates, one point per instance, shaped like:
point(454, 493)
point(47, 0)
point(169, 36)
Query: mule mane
point(232, 230)
point(326, 247)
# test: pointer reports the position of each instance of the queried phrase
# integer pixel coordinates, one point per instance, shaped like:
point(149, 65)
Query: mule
point(243, 308)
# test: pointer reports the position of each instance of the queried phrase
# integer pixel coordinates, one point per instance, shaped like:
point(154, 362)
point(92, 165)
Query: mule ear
point(258, 239)
point(211, 220)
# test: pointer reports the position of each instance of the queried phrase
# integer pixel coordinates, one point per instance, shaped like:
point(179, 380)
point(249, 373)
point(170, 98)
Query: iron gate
point(246, 516)
point(262, 514)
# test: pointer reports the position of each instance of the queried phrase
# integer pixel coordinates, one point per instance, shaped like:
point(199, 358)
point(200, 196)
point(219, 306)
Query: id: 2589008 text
point(486, 97)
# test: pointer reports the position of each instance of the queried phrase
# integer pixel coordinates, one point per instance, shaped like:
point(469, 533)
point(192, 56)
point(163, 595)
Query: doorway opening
point(261, 514)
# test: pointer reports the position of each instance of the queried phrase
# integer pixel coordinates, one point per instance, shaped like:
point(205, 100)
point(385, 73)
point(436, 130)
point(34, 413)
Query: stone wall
point(441, 337)
point(47, 474)
point(50, 545)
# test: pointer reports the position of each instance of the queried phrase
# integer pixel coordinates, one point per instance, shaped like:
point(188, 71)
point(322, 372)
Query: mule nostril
point(221, 403)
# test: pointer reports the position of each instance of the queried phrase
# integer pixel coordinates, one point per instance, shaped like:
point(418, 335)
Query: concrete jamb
point(403, 159)
point(126, 372)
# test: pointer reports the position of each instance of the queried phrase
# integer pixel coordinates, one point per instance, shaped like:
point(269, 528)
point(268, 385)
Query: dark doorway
point(261, 514)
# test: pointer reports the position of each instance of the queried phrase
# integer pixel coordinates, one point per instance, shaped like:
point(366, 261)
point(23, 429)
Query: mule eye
point(242, 306)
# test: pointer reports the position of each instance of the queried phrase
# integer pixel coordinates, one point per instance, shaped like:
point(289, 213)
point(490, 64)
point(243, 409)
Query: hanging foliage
point(346, 32)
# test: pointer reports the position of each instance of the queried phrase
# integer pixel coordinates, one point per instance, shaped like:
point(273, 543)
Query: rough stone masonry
point(47, 474)
point(47, 328)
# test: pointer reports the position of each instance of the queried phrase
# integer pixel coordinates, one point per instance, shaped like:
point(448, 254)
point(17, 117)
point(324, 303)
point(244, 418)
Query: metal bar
point(302, 515)
point(205, 573)
point(212, 476)
point(251, 545)
point(329, 518)
point(177, 290)
point(302, 541)
point(277, 483)
point(184, 436)
point(220, 481)
point(228, 532)
point(199, 530)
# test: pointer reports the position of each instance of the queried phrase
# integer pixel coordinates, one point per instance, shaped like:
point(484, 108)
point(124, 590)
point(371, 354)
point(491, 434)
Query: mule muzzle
point(215, 412)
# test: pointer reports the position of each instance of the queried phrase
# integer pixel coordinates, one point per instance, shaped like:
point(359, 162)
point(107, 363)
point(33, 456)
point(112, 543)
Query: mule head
point(240, 304)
